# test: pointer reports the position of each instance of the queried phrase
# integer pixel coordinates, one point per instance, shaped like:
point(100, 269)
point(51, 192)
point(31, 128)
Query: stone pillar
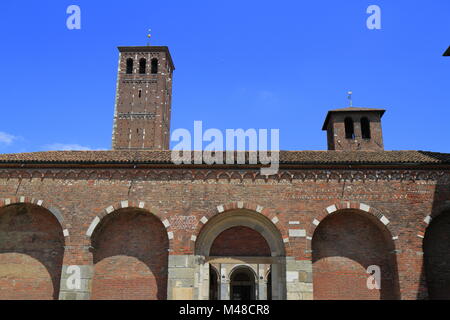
point(299, 283)
point(76, 274)
point(224, 283)
point(181, 278)
point(217, 268)
point(262, 283)
point(277, 280)
point(76, 282)
point(204, 280)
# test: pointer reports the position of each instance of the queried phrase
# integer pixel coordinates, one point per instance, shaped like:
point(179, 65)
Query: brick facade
point(143, 99)
point(137, 226)
point(240, 241)
point(150, 226)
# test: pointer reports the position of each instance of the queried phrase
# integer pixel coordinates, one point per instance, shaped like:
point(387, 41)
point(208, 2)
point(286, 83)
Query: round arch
point(52, 209)
point(31, 250)
point(124, 204)
point(345, 245)
point(242, 283)
point(365, 208)
point(255, 208)
point(258, 222)
point(436, 255)
point(346, 205)
point(136, 261)
point(239, 218)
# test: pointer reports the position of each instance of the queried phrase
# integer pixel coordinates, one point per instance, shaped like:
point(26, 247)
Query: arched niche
point(31, 253)
point(344, 246)
point(130, 256)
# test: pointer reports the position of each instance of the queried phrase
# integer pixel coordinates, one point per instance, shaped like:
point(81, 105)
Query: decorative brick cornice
point(226, 174)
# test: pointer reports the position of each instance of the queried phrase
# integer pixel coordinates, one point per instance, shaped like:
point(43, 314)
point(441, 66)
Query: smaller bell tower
point(354, 129)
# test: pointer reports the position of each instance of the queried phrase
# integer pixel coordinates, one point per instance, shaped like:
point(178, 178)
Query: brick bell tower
point(143, 99)
point(354, 129)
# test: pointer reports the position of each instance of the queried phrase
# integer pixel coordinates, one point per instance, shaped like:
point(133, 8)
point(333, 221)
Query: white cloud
point(67, 147)
point(6, 138)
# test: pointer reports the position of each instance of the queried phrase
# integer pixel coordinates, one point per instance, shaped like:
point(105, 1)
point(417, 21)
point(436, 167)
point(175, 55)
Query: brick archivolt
point(427, 219)
point(234, 214)
point(141, 205)
point(41, 203)
point(337, 207)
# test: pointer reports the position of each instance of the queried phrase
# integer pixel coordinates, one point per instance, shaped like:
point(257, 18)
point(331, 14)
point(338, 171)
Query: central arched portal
point(241, 257)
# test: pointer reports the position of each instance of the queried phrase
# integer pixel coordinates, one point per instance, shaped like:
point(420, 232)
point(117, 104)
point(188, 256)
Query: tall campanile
point(143, 99)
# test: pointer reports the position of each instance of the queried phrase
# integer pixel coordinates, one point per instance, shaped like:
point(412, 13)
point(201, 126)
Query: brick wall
point(296, 200)
point(336, 132)
point(31, 253)
point(344, 246)
point(130, 257)
point(143, 103)
point(437, 257)
point(240, 241)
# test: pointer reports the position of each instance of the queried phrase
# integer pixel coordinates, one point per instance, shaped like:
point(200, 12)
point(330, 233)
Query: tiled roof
point(286, 157)
point(351, 109)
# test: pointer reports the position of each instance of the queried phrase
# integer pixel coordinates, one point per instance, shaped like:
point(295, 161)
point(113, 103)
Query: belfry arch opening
point(154, 66)
point(142, 65)
point(349, 128)
point(129, 67)
point(31, 253)
point(346, 245)
point(365, 128)
point(238, 239)
point(130, 256)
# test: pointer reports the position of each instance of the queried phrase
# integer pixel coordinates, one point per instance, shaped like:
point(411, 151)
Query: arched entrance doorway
point(243, 246)
point(213, 284)
point(242, 284)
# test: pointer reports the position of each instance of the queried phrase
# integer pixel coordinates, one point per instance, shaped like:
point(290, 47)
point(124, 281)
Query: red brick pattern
point(240, 241)
point(31, 253)
point(130, 257)
point(80, 195)
point(344, 245)
point(336, 132)
point(143, 103)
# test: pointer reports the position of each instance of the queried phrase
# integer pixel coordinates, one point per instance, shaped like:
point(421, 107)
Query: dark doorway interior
point(243, 284)
point(213, 284)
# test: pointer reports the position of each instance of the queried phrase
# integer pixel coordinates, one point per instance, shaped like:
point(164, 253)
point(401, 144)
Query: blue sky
point(239, 64)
